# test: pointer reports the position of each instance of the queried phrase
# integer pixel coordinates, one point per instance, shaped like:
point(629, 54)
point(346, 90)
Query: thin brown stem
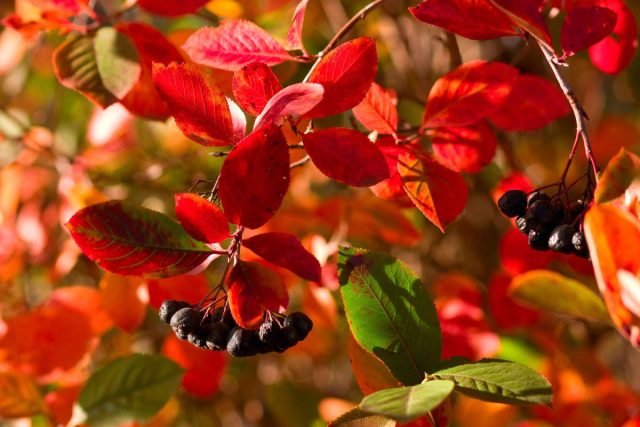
point(578, 112)
point(300, 162)
point(455, 57)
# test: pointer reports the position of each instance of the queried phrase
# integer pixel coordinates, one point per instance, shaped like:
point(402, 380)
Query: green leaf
point(129, 388)
point(499, 381)
point(553, 292)
point(75, 66)
point(622, 170)
point(408, 403)
point(390, 314)
point(117, 61)
point(358, 418)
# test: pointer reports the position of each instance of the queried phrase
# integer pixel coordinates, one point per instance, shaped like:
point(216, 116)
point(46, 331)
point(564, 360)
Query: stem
point(578, 112)
point(455, 57)
point(570, 160)
point(341, 33)
point(300, 162)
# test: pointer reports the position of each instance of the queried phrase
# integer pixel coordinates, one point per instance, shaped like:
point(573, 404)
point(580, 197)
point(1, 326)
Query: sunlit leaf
point(253, 86)
point(293, 40)
point(293, 101)
point(202, 219)
point(117, 60)
point(584, 26)
point(464, 149)
point(19, 396)
point(377, 111)
point(620, 173)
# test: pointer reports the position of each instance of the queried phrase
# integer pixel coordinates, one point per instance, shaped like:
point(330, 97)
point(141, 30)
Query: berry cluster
point(217, 330)
point(549, 222)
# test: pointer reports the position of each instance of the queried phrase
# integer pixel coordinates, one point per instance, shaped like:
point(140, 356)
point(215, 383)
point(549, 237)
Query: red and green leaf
point(285, 250)
point(378, 111)
point(198, 105)
point(135, 241)
point(533, 103)
point(253, 289)
point(464, 149)
point(253, 86)
point(437, 191)
point(143, 99)
point(621, 172)
point(468, 94)
point(346, 73)
point(203, 220)
point(233, 45)
point(292, 101)
point(255, 177)
point(347, 156)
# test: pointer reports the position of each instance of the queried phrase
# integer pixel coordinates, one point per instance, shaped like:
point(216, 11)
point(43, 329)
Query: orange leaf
point(369, 371)
point(86, 301)
point(184, 288)
point(252, 290)
point(19, 396)
point(122, 299)
point(614, 244)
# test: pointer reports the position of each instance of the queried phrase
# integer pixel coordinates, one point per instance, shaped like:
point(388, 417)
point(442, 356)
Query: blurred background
point(61, 316)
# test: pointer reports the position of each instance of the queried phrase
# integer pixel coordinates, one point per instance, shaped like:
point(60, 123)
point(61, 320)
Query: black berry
point(535, 196)
point(218, 333)
point(301, 323)
point(539, 240)
point(242, 342)
point(185, 321)
point(169, 308)
point(521, 224)
point(560, 239)
point(513, 203)
point(287, 338)
point(579, 243)
point(228, 319)
point(540, 213)
point(199, 337)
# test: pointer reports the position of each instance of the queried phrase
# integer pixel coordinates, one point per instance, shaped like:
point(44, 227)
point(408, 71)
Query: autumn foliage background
point(62, 317)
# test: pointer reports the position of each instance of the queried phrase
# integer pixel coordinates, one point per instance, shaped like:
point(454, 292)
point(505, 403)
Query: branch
point(578, 112)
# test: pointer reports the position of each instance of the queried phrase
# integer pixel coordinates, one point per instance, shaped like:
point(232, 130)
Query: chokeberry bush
point(311, 212)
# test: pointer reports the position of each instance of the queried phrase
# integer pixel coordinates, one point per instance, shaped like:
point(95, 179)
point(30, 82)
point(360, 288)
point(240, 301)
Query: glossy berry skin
point(513, 203)
point(242, 342)
point(185, 321)
point(199, 337)
point(216, 339)
point(539, 240)
point(169, 308)
point(228, 319)
point(288, 337)
point(579, 243)
point(521, 224)
point(300, 322)
point(535, 196)
point(560, 239)
point(540, 213)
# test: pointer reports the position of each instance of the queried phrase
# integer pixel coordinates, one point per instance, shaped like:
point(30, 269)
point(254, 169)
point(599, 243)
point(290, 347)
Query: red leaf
point(199, 107)
point(255, 177)
point(234, 44)
point(473, 19)
point(253, 86)
point(464, 149)
point(440, 193)
point(528, 16)
point(252, 290)
point(392, 188)
point(533, 103)
point(238, 119)
point(346, 156)
point(144, 100)
point(135, 241)
point(294, 101)
point(515, 181)
point(294, 35)
point(615, 52)
point(584, 26)
point(86, 301)
point(172, 7)
point(377, 111)
point(506, 311)
point(200, 218)
point(517, 256)
point(285, 250)
point(468, 94)
point(204, 369)
point(189, 288)
point(346, 73)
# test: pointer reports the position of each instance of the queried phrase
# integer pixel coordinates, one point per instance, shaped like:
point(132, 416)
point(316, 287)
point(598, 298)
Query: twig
point(578, 112)
point(341, 33)
point(300, 162)
point(455, 57)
